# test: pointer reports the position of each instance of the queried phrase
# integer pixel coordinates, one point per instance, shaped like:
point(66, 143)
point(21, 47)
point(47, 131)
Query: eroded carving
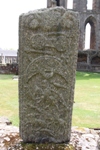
point(47, 58)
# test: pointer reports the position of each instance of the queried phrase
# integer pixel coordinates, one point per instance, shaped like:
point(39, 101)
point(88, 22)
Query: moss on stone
point(47, 146)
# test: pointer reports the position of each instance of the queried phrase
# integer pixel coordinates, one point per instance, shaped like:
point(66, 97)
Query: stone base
point(81, 138)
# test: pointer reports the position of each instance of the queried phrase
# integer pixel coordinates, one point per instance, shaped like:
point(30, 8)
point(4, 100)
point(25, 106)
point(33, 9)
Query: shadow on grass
point(6, 77)
point(87, 75)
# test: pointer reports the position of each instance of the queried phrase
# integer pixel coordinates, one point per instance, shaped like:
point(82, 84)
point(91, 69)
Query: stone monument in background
point(48, 47)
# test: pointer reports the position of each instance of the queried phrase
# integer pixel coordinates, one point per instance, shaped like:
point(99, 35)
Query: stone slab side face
point(48, 41)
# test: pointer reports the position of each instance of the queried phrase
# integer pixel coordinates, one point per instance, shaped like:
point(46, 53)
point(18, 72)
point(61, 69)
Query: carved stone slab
point(48, 41)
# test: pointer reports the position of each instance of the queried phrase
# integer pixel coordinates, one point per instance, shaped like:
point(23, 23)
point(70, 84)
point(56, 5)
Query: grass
point(9, 98)
point(86, 109)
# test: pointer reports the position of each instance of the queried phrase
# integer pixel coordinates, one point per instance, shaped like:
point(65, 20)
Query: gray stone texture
point(88, 59)
point(80, 5)
point(58, 2)
point(48, 43)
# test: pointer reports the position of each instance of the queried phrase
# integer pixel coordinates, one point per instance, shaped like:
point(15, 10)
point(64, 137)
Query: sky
point(9, 19)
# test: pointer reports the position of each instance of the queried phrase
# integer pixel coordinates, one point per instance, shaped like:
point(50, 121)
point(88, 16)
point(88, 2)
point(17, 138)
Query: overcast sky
point(9, 16)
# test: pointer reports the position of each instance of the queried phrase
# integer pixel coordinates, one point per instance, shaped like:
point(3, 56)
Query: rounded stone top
point(51, 19)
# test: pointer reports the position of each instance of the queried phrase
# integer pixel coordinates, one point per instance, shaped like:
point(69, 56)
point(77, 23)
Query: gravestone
point(48, 41)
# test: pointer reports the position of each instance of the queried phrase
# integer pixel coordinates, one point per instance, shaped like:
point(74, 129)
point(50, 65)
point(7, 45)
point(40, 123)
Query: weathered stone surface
point(47, 63)
point(9, 135)
point(58, 3)
point(88, 62)
point(5, 121)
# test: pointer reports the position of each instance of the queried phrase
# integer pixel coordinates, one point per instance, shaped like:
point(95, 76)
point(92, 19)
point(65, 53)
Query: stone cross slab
point(48, 47)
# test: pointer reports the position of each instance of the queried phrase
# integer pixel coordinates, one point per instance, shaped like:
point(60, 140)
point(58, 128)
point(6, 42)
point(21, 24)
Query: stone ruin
point(88, 59)
point(48, 43)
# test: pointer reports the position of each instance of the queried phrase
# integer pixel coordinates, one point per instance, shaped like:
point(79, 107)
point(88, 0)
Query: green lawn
point(86, 110)
point(9, 98)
